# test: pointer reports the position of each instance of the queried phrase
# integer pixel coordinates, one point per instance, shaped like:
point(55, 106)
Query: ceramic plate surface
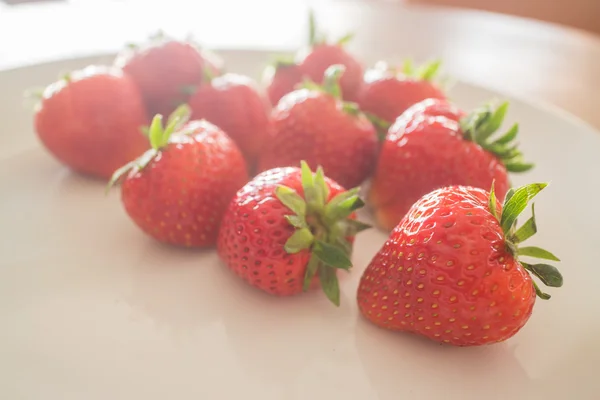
point(92, 309)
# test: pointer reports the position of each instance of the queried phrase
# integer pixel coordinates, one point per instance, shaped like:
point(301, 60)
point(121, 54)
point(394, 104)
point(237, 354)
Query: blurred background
point(546, 50)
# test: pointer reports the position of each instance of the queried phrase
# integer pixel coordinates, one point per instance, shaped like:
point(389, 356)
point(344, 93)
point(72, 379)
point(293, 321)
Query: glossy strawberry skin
point(322, 56)
point(234, 103)
point(425, 150)
point(180, 196)
point(311, 126)
point(92, 122)
point(388, 95)
point(254, 231)
point(164, 71)
point(281, 80)
point(445, 273)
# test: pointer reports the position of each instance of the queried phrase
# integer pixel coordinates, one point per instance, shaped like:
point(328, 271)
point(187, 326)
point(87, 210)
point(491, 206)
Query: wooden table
point(521, 57)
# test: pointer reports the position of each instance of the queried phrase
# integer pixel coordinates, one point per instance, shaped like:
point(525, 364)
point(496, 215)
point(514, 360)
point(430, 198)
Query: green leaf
point(492, 202)
point(311, 270)
point(408, 67)
point(517, 203)
point(296, 221)
point(344, 244)
point(300, 240)
point(179, 117)
point(291, 199)
point(312, 28)
point(492, 124)
point(351, 108)
point(527, 230)
point(329, 283)
point(331, 255)
point(508, 136)
point(331, 80)
point(509, 194)
point(547, 273)
point(344, 209)
point(156, 132)
point(537, 252)
point(429, 71)
point(308, 184)
point(118, 174)
point(321, 188)
point(518, 166)
point(539, 293)
point(353, 227)
point(344, 40)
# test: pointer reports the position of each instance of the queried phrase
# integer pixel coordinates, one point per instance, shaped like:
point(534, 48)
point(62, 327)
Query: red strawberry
point(281, 78)
point(289, 229)
point(312, 62)
point(177, 191)
point(316, 126)
point(91, 119)
point(233, 103)
point(433, 145)
point(387, 92)
point(451, 269)
point(165, 69)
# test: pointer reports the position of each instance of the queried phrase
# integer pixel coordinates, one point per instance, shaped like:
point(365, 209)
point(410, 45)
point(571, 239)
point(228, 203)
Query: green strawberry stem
point(315, 37)
point(480, 126)
point(514, 204)
point(159, 136)
point(321, 227)
point(428, 71)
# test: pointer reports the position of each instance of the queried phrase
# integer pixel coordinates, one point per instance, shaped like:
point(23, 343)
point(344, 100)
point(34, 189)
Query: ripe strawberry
point(177, 191)
point(451, 269)
point(313, 124)
point(433, 145)
point(311, 63)
point(281, 78)
point(388, 92)
point(90, 120)
point(233, 103)
point(165, 69)
point(288, 230)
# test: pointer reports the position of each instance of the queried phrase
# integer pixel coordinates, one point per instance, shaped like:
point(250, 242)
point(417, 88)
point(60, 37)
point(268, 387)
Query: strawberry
point(289, 230)
point(388, 92)
point(165, 69)
point(90, 120)
point(234, 103)
point(177, 191)
point(315, 125)
point(311, 63)
point(451, 270)
point(433, 145)
point(281, 78)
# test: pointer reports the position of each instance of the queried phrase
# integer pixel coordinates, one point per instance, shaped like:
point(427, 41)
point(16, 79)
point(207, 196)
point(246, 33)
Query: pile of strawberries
point(270, 176)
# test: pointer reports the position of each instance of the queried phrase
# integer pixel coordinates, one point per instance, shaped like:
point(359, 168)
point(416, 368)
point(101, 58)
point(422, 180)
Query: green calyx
point(159, 136)
point(480, 126)
point(428, 71)
point(514, 204)
point(316, 38)
point(321, 227)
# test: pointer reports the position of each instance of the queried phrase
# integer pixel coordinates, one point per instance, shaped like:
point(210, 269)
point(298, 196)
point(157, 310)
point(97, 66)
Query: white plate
point(92, 309)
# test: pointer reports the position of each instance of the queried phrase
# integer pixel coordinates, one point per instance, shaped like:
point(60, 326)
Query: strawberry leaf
point(330, 284)
point(539, 293)
point(344, 40)
point(296, 221)
point(311, 270)
point(354, 227)
point(517, 203)
point(156, 132)
point(300, 240)
point(492, 203)
point(429, 71)
point(537, 252)
point(331, 255)
point(291, 199)
point(527, 230)
point(548, 274)
point(331, 80)
point(321, 187)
